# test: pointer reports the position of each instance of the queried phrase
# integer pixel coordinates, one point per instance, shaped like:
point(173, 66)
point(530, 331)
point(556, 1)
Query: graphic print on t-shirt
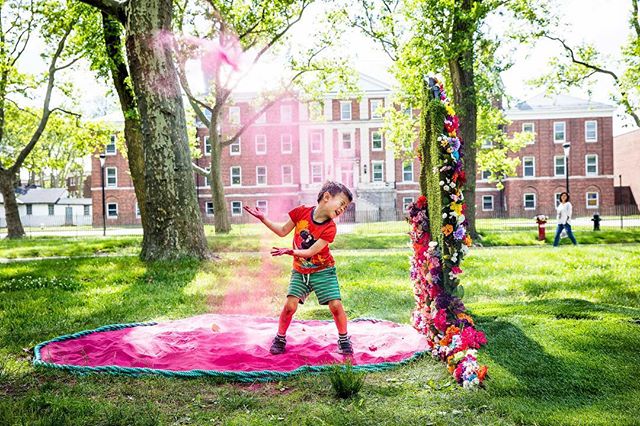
point(307, 233)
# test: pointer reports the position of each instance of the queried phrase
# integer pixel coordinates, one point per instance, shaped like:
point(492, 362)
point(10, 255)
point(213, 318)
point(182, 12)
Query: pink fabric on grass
point(241, 344)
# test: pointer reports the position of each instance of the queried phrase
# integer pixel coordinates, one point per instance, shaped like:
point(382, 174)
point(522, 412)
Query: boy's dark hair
point(565, 193)
point(334, 188)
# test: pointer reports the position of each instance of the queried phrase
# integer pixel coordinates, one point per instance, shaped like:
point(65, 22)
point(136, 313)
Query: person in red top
point(313, 266)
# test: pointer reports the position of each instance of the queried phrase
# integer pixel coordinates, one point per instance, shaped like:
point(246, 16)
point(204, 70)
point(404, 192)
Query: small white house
point(49, 207)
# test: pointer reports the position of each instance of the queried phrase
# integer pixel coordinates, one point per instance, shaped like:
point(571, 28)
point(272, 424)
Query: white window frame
point(258, 183)
point(206, 178)
point(374, 105)
point(234, 115)
point(586, 137)
point(373, 171)
point(586, 165)
point(556, 198)
point(532, 131)
point(486, 144)
point(343, 111)
point(231, 175)
point(234, 145)
point(284, 142)
point(404, 171)
point(263, 205)
point(109, 215)
point(208, 211)
point(136, 210)
point(236, 203)
point(482, 174)
point(484, 200)
point(373, 148)
point(342, 139)
point(564, 132)
point(290, 168)
point(524, 167)
point(72, 181)
point(555, 165)
point(586, 198)
point(207, 146)
point(261, 141)
point(51, 209)
point(29, 209)
point(86, 211)
point(524, 200)
point(115, 177)
point(311, 174)
point(405, 203)
point(112, 142)
point(286, 113)
point(312, 141)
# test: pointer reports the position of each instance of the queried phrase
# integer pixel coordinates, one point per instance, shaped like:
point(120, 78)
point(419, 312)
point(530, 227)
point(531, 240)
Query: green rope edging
point(236, 376)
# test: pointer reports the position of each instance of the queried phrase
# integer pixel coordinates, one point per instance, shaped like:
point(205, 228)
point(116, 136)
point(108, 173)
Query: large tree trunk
point(464, 95)
point(221, 215)
point(12, 215)
point(175, 225)
point(132, 126)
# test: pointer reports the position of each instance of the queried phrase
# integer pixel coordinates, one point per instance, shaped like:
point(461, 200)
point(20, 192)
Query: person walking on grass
point(564, 211)
point(313, 266)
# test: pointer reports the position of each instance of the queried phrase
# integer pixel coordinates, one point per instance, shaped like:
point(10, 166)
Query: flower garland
point(440, 313)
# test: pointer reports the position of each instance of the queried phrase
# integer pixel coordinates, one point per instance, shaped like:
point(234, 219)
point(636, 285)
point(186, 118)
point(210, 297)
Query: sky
point(601, 22)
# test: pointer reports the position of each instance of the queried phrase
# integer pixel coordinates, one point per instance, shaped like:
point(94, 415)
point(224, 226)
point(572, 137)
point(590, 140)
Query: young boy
point(313, 266)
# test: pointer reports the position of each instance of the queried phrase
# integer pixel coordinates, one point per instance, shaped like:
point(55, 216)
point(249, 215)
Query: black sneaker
point(344, 346)
point(278, 345)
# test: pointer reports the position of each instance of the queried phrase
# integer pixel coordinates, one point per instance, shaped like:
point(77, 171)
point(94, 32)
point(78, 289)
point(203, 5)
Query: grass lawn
point(563, 327)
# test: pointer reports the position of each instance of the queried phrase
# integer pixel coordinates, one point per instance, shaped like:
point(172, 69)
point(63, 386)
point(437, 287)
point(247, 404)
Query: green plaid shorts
point(324, 283)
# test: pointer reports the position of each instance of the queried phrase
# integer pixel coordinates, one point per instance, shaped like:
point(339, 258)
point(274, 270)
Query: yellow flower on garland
point(450, 110)
point(447, 230)
point(452, 134)
point(467, 240)
point(456, 207)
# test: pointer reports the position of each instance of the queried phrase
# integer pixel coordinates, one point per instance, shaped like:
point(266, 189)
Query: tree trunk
point(464, 95)
point(132, 126)
point(221, 215)
point(12, 215)
point(175, 225)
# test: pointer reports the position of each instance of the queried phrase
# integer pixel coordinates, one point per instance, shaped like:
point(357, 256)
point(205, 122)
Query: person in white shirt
point(564, 211)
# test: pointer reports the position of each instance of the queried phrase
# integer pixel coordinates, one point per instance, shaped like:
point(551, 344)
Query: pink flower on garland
point(456, 270)
point(472, 338)
point(440, 319)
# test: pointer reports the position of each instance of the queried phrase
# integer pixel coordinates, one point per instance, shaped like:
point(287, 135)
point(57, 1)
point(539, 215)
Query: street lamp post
point(103, 157)
point(620, 202)
point(567, 147)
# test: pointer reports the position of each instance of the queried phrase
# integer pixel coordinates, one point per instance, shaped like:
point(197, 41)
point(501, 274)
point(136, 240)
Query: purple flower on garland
point(455, 143)
point(459, 233)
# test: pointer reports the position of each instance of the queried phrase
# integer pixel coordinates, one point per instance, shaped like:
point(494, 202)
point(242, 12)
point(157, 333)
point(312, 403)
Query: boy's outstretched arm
point(279, 230)
point(305, 253)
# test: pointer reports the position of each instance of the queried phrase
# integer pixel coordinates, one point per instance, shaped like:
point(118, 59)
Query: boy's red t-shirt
point(307, 232)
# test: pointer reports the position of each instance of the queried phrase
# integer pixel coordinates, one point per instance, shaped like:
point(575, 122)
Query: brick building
point(541, 175)
point(626, 157)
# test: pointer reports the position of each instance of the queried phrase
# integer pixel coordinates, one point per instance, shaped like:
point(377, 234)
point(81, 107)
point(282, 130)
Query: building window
point(51, 209)
point(261, 175)
point(236, 176)
point(559, 134)
point(407, 110)
point(234, 115)
point(487, 203)
point(591, 131)
point(591, 165)
point(110, 148)
point(593, 200)
point(262, 118)
point(261, 144)
point(285, 114)
point(406, 201)
point(485, 174)
point(29, 209)
point(234, 148)
point(346, 141)
point(112, 177)
point(345, 110)
point(206, 178)
point(112, 210)
point(376, 106)
point(315, 111)
point(208, 208)
point(560, 165)
point(376, 141)
point(287, 175)
point(377, 168)
point(207, 145)
point(263, 206)
point(528, 166)
point(316, 141)
point(87, 210)
point(72, 181)
point(529, 128)
point(236, 208)
point(407, 171)
point(486, 144)
point(529, 201)
point(285, 144)
point(316, 172)
point(557, 198)
point(136, 209)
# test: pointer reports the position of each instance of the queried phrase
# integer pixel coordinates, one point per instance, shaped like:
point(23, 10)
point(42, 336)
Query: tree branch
point(114, 8)
point(199, 170)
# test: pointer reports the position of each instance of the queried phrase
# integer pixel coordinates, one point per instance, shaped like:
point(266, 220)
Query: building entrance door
point(68, 216)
